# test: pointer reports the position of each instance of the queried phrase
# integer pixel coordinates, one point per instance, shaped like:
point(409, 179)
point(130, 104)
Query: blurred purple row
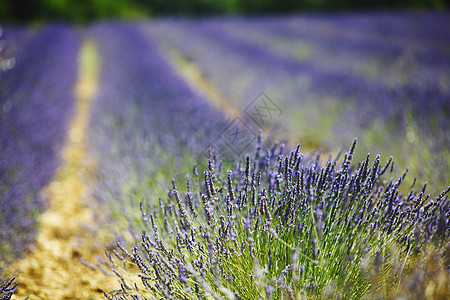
point(383, 63)
point(145, 117)
point(36, 105)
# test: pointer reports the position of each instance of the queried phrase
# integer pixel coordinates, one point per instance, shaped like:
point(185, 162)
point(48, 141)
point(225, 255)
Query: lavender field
point(295, 157)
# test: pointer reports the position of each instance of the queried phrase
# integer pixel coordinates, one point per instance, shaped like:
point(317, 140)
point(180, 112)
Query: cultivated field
point(227, 158)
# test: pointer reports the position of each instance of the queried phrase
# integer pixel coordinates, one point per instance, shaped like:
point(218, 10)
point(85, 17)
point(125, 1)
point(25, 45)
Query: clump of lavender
point(280, 226)
point(8, 288)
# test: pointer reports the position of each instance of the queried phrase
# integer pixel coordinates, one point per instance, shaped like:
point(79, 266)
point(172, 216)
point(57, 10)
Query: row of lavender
point(342, 76)
point(146, 122)
point(36, 104)
point(332, 52)
point(357, 41)
point(405, 57)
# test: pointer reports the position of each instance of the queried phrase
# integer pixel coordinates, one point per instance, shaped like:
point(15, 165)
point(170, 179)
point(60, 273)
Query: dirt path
point(53, 270)
point(194, 76)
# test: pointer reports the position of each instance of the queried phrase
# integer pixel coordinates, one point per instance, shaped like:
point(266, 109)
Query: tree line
point(81, 11)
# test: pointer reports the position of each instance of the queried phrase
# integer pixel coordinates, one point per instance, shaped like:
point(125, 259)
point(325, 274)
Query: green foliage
point(82, 11)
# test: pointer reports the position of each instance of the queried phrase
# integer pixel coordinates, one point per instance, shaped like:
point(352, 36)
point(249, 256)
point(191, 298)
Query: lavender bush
point(281, 226)
point(35, 107)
